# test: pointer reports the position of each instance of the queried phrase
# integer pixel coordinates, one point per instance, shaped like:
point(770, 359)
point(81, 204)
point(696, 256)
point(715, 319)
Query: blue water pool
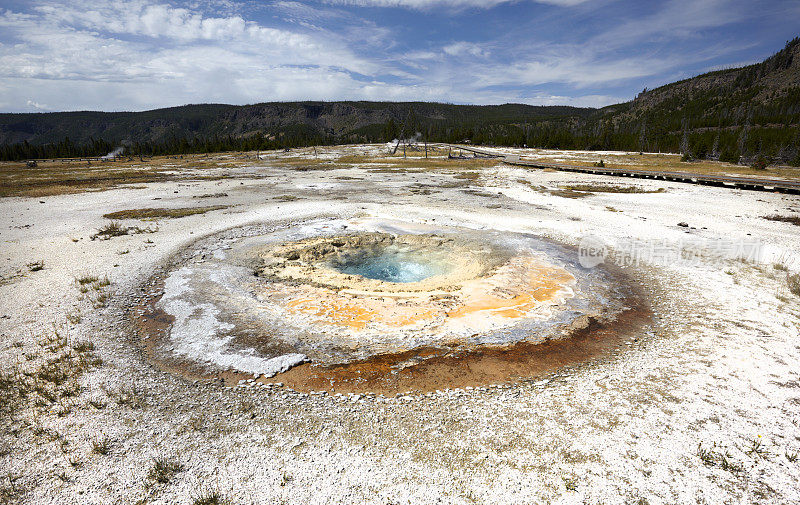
point(389, 266)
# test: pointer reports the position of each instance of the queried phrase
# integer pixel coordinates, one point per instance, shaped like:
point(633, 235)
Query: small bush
point(115, 229)
point(759, 163)
point(112, 229)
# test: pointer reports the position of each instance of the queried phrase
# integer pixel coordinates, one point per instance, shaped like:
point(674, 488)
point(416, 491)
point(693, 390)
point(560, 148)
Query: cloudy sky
point(143, 54)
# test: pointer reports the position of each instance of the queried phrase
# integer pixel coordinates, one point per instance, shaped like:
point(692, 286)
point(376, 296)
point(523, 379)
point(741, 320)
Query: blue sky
point(142, 54)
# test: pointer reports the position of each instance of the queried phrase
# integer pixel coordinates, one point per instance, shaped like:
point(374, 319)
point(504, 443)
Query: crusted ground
point(703, 407)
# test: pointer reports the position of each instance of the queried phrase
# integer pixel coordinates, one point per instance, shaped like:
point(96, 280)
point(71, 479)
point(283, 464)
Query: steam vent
point(367, 304)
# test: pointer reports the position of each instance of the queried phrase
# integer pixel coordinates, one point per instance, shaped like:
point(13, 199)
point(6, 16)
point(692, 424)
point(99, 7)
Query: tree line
point(729, 134)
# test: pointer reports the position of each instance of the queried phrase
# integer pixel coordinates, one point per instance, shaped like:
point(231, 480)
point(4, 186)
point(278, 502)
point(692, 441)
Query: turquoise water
point(388, 266)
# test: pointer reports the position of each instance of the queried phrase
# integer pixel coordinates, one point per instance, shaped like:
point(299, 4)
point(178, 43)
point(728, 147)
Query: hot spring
point(365, 303)
point(389, 265)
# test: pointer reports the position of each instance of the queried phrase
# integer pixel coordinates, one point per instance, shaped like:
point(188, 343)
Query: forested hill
point(344, 121)
point(740, 111)
point(733, 114)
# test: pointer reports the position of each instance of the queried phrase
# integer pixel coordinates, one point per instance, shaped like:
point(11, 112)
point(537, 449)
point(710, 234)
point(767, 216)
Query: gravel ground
point(703, 407)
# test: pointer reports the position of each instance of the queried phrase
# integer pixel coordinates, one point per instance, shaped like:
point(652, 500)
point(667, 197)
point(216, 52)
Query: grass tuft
point(213, 497)
point(86, 279)
point(83, 346)
point(795, 220)
point(36, 266)
point(712, 457)
point(101, 446)
point(163, 470)
point(115, 229)
point(161, 213)
point(793, 283)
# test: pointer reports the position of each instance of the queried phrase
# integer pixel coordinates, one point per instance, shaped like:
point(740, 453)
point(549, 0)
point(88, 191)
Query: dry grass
point(51, 374)
point(36, 266)
point(115, 229)
point(163, 470)
point(667, 163)
point(431, 163)
point(795, 220)
point(564, 193)
point(101, 446)
point(609, 188)
point(213, 497)
point(307, 164)
point(793, 283)
point(161, 213)
point(62, 177)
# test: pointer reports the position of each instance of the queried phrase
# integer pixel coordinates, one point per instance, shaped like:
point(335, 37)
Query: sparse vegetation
point(50, 376)
point(101, 446)
point(36, 266)
point(112, 229)
point(98, 404)
point(793, 283)
point(129, 396)
point(115, 229)
point(714, 457)
point(160, 213)
point(10, 491)
point(83, 346)
point(760, 162)
point(163, 470)
point(795, 220)
point(755, 448)
point(86, 279)
point(609, 188)
point(212, 497)
point(570, 483)
point(74, 317)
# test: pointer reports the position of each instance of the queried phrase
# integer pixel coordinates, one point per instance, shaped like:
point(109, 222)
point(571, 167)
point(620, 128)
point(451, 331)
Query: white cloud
point(466, 49)
point(454, 4)
point(37, 105)
point(140, 54)
point(675, 19)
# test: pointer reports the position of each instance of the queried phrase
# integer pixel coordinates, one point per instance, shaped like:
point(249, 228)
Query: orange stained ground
point(357, 315)
point(543, 283)
point(540, 283)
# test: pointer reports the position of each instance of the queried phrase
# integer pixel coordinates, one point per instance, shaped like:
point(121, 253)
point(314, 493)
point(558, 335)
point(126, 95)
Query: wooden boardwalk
point(726, 181)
